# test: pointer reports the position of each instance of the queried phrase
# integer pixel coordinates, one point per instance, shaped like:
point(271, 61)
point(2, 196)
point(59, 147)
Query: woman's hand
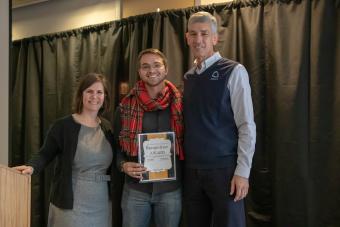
point(28, 170)
point(133, 169)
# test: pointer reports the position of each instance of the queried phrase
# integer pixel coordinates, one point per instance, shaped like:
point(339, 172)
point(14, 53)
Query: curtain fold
point(291, 50)
point(324, 123)
point(287, 91)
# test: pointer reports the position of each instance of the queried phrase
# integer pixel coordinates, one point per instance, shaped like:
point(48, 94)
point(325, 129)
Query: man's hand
point(239, 187)
point(133, 169)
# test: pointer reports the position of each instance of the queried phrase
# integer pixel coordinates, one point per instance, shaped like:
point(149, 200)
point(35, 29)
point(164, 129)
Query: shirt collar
point(207, 62)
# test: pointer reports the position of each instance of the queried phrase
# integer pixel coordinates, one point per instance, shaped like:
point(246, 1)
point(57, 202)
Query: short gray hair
point(204, 17)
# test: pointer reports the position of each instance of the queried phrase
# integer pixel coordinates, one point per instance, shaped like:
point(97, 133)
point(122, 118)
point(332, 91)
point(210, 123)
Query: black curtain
point(291, 50)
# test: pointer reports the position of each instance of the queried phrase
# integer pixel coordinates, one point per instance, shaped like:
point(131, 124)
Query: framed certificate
point(156, 151)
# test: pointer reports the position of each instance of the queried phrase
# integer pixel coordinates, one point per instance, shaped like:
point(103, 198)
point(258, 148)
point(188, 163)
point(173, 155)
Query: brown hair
point(153, 51)
point(86, 82)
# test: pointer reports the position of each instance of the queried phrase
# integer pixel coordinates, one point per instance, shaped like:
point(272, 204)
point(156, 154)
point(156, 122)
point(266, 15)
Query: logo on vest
point(215, 76)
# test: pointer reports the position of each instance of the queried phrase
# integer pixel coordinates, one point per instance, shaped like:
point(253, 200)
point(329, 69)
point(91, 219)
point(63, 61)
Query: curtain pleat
point(324, 123)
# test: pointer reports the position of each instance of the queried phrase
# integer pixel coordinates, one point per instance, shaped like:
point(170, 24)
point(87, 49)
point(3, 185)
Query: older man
point(220, 132)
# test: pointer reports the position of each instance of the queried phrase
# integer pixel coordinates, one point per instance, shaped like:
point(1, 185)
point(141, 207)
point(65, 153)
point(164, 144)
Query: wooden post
point(15, 198)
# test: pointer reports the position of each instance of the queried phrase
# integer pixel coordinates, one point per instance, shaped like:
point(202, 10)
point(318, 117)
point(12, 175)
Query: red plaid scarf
point(132, 108)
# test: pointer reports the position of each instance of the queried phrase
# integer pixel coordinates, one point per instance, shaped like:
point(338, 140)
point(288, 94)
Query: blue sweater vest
point(211, 135)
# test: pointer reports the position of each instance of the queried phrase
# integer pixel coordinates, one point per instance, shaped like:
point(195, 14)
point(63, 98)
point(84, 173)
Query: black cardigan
point(61, 143)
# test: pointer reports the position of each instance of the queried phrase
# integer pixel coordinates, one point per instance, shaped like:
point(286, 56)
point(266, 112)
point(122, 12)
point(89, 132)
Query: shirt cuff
point(242, 171)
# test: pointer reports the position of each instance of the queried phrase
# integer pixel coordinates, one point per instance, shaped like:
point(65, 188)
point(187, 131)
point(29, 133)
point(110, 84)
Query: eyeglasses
point(147, 67)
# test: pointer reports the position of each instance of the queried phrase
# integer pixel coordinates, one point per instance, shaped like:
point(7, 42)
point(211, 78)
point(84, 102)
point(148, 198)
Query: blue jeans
point(138, 207)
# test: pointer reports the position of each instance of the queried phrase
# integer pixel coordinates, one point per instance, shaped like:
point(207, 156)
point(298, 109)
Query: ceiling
point(22, 3)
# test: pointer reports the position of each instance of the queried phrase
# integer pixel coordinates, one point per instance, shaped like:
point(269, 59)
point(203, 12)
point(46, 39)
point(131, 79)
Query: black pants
point(207, 199)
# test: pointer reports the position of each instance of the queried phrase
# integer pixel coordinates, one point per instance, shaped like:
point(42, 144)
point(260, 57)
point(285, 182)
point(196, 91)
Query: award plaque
point(156, 151)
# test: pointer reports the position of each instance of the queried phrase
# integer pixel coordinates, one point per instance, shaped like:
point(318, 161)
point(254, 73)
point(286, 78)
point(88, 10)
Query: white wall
point(61, 15)
point(4, 75)
point(207, 2)
point(137, 7)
